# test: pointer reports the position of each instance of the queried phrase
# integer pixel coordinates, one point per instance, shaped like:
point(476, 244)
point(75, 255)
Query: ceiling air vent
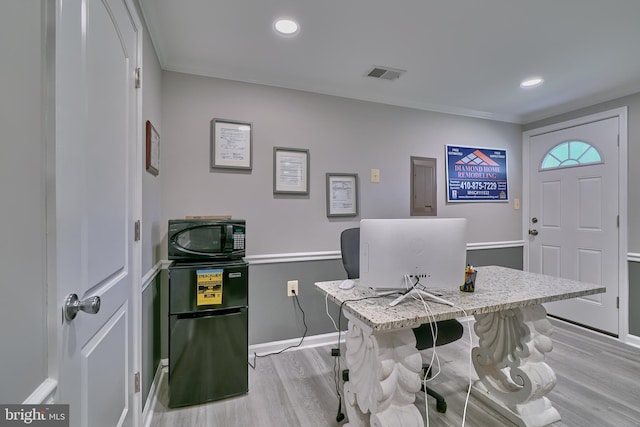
point(385, 73)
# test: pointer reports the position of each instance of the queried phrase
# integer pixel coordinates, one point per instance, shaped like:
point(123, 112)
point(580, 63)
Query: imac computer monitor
point(431, 250)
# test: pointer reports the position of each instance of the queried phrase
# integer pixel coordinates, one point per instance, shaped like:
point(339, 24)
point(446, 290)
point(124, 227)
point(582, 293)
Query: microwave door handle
point(228, 238)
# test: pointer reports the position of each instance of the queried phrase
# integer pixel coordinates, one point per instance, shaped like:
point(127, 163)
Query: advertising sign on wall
point(476, 174)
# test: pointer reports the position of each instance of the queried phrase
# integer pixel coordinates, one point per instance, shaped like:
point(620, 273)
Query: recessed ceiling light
point(285, 26)
point(531, 82)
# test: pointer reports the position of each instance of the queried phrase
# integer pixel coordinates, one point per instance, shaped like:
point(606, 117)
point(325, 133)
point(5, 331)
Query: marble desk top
point(496, 289)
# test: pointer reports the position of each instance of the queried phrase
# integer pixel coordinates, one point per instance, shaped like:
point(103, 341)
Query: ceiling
point(463, 57)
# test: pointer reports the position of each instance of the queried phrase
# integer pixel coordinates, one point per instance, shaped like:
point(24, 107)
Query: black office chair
point(448, 330)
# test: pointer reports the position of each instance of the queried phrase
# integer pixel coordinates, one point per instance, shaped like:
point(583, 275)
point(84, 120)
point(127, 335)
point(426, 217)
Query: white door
point(574, 211)
point(96, 200)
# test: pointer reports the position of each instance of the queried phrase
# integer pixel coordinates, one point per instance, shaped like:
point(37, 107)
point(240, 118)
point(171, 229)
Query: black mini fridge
point(208, 331)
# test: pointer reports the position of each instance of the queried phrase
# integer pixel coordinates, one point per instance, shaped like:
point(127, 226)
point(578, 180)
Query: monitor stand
point(417, 290)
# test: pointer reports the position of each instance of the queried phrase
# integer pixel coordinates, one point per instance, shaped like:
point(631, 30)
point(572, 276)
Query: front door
point(573, 221)
point(96, 200)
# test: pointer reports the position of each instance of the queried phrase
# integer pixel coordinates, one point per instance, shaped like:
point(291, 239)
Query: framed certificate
point(342, 194)
point(290, 171)
point(231, 144)
point(153, 149)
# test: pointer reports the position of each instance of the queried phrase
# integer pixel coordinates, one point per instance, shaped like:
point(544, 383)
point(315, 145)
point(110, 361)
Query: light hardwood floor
point(598, 386)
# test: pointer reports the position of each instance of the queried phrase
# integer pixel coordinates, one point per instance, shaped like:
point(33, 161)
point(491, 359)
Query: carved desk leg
point(384, 376)
point(509, 360)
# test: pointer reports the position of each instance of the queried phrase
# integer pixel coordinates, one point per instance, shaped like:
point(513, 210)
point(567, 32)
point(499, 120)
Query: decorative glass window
point(570, 153)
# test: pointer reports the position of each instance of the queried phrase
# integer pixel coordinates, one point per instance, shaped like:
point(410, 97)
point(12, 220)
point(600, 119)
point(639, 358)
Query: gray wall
point(151, 185)
point(273, 317)
point(342, 135)
point(634, 298)
point(153, 314)
point(23, 290)
point(633, 214)
point(152, 333)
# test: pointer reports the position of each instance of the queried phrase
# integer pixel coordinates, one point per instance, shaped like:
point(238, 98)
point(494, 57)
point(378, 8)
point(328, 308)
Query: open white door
point(573, 216)
point(97, 200)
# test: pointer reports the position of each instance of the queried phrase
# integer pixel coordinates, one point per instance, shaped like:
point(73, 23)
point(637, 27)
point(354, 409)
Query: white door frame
point(47, 391)
point(623, 280)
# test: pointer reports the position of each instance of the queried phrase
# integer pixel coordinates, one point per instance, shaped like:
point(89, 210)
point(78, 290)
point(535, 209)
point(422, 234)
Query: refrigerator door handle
point(228, 238)
point(209, 313)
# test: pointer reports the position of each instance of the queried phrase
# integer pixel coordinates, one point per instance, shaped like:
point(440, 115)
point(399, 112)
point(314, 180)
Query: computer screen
point(431, 250)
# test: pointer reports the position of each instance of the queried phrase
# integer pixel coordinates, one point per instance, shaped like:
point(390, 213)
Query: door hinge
point(136, 231)
point(138, 77)
point(617, 302)
point(136, 382)
point(618, 221)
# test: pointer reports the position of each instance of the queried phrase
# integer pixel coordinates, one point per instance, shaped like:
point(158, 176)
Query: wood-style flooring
point(598, 386)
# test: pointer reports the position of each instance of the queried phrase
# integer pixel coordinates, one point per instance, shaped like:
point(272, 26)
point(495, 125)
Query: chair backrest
point(350, 250)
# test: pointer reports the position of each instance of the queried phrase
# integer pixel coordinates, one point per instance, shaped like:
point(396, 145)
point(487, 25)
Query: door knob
point(72, 305)
point(533, 232)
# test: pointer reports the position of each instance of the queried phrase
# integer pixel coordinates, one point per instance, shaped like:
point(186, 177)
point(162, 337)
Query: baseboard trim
point(633, 340)
point(152, 397)
point(312, 341)
point(43, 394)
point(308, 342)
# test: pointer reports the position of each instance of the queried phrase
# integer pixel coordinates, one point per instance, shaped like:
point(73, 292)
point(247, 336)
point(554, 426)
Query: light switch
point(375, 175)
point(516, 204)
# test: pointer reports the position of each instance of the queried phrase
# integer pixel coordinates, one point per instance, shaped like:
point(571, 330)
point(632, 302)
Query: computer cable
point(326, 307)
point(433, 326)
point(434, 355)
point(304, 335)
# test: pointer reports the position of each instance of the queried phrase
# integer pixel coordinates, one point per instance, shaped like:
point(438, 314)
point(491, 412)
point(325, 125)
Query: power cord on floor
point(304, 335)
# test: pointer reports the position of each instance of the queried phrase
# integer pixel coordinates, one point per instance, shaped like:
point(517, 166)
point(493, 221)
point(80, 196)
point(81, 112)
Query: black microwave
point(206, 239)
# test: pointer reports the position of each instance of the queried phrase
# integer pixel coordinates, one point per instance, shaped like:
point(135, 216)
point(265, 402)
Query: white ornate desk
point(513, 337)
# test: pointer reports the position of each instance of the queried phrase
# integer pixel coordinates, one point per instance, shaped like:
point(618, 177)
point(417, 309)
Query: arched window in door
point(570, 153)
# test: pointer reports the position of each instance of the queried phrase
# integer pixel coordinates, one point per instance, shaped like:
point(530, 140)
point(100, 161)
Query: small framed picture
point(153, 149)
point(290, 170)
point(342, 194)
point(231, 144)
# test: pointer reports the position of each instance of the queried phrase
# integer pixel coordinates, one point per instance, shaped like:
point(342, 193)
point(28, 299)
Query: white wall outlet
point(292, 288)
point(375, 175)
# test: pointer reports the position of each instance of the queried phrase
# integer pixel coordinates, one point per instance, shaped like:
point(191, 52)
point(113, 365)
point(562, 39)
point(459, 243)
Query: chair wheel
point(441, 407)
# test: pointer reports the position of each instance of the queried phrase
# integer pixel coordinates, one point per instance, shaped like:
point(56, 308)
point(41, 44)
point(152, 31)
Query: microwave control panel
point(238, 241)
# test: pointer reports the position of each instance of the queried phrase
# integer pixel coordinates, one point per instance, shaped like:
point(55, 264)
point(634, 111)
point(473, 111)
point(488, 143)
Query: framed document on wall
point(153, 149)
point(342, 194)
point(231, 144)
point(290, 171)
